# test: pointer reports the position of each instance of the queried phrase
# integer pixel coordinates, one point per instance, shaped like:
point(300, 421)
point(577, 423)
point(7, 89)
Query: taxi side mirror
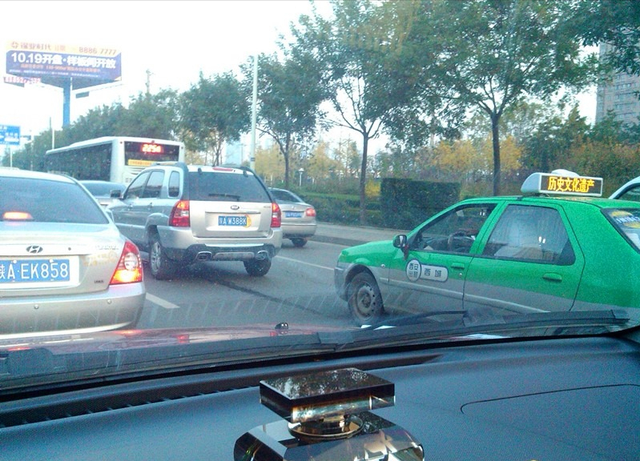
point(401, 242)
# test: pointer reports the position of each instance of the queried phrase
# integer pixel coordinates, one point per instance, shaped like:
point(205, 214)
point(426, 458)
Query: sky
point(172, 40)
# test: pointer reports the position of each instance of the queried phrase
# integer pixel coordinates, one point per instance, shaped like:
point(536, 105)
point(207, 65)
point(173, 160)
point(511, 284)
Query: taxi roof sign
point(562, 183)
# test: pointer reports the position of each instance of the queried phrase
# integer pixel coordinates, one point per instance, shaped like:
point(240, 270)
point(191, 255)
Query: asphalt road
point(298, 289)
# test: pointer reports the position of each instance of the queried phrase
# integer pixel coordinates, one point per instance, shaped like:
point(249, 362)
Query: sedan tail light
point(129, 268)
point(276, 215)
point(310, 211)
point(180, 216)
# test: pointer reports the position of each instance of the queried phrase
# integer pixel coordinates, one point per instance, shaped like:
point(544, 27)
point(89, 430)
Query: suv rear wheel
point(257, 267)
point(299, 242)
point(162, 268)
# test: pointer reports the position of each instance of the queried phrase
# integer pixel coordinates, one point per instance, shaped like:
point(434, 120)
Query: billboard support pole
point(66, 103)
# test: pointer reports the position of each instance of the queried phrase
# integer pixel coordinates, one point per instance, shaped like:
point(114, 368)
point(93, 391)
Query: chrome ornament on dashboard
point(327, 417)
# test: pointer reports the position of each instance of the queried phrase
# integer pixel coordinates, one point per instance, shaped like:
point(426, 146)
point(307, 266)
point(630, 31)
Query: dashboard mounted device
point(327, 417)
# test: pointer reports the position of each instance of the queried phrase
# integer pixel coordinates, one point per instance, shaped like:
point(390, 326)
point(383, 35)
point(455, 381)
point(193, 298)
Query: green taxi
point(557, 247)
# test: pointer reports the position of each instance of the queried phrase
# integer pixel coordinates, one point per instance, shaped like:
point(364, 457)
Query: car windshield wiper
point(422, 327)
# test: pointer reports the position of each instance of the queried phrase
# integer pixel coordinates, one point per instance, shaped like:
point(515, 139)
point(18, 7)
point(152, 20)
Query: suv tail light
point(129, 268)
point(180, 214)
point(276, 215)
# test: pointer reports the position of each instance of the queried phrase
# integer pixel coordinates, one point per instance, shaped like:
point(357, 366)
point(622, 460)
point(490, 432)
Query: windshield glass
point(308, 178)
point(44, 201)
point(627, 222)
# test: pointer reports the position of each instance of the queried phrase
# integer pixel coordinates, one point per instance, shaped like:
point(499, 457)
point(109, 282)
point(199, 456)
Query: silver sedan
point(64, 266)
point(105, 192)
point(298, 217)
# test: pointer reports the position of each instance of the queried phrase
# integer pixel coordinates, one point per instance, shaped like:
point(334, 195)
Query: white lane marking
point(305, 263)
point(161, 302)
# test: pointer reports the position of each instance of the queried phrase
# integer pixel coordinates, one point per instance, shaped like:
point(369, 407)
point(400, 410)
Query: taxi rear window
point(627, 222)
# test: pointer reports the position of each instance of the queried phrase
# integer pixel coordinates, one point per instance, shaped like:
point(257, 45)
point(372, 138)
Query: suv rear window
point(627, 222)
point(224, 187)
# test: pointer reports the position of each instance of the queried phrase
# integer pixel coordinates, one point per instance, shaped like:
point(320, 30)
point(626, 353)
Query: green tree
point(150, 116)
point(212, 112)
point(550, 144)
point(491, 54)
point(352, 49)
point(31, 156)
point(289, 98)
point(269, 164)
point(147, 116)
point(320, 165)
point(616, 22)
point(97, 122)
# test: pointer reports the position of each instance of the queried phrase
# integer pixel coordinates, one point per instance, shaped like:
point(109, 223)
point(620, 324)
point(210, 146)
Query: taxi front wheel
point(365, 301)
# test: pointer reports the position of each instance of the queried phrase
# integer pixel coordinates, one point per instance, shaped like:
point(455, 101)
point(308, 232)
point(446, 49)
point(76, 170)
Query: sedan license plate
point(293, 214)
point(239, 221)
point(34, 271)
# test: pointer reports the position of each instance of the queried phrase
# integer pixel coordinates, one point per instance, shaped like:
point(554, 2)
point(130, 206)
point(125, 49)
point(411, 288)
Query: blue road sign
point(10, 135)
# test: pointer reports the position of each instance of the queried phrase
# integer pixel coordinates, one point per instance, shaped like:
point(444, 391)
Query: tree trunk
point(363, 180)
point(495, 135)
point(285, 154)
point(286, 169)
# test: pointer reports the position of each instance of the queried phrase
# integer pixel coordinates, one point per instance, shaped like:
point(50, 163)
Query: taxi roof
point(599, 202)
point(564, 186)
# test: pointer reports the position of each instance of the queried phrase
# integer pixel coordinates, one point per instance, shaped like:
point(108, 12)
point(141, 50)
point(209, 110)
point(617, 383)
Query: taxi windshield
point(627, 222)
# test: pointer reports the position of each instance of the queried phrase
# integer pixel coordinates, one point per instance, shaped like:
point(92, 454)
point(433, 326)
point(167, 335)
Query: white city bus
point(112, 158)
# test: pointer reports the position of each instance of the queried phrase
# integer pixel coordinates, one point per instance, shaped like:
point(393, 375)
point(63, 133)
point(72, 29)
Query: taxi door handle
point(551, 277)
point(457, 266)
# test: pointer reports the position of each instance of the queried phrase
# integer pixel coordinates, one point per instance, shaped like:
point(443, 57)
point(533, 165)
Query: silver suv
point(182, 214)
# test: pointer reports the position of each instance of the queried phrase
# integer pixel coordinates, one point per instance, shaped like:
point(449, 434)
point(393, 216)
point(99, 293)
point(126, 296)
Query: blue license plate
point(34, 270)
point(293, 214)
point(240, 221)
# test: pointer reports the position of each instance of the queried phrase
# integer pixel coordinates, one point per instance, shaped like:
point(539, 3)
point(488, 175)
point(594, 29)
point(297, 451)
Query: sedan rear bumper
point(118, 307)
point(298, 230)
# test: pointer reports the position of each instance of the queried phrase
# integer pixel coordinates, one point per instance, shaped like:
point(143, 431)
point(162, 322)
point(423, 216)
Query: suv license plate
point(240, 221)
point(34, 270)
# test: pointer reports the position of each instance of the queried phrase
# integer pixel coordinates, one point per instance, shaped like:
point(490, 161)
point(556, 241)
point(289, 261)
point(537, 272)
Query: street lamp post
point(301, 171)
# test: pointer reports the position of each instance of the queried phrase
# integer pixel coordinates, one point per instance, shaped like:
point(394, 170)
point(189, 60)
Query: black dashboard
point(553, 399)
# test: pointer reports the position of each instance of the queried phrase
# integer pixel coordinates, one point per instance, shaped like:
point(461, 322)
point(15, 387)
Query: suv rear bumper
point(221, 253)
point(180, 245)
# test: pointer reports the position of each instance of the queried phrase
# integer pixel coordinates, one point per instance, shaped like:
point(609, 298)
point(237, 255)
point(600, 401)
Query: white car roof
point(17, 173)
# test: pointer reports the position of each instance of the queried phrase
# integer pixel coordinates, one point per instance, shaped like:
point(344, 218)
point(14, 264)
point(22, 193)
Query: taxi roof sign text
point(562, 184)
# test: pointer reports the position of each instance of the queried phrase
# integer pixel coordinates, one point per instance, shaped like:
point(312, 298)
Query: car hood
point(366, 251)
point(48, 361)
point(139, 339)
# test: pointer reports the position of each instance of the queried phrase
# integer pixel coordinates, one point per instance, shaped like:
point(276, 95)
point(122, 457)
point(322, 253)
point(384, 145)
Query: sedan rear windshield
point(223, 187)
point(627, 222)
point(41, 200)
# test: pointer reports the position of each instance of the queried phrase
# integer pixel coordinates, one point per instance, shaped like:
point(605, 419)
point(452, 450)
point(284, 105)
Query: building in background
point(619, 95)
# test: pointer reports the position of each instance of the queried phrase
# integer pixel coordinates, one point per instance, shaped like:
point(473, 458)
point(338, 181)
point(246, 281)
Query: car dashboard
point(542, 399)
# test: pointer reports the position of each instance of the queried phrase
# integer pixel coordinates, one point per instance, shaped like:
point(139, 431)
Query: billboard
point(54, 63)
